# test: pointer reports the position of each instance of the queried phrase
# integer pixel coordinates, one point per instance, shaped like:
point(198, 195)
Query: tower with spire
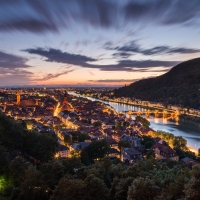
point(65, 101)
point(18, 97)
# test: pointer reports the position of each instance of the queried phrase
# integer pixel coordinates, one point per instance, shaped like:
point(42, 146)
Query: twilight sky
point(94, 42)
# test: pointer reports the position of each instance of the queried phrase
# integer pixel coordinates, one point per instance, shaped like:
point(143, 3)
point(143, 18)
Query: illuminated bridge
point(156, 113)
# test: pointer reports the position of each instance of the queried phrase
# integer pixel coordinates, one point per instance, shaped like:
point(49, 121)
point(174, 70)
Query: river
point(188, 130)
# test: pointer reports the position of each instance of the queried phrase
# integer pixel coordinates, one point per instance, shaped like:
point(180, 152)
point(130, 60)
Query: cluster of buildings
point(26, 106)
point(100, 122)
point(57, 112)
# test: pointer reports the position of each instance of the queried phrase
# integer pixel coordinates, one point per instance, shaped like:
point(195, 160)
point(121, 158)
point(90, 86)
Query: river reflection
point(188, 130)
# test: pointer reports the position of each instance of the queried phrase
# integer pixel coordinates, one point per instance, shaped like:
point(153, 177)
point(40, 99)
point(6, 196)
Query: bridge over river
point(156, 113)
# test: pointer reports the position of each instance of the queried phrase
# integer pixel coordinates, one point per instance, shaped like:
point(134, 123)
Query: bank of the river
point(187, 117)
point(194, 119)
point(188, 130)
point(127, 103)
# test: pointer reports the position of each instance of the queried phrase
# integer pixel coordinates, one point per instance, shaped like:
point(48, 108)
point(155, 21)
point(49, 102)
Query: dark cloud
point(52, 76)
point(54, 55)
point(10, 76)
point(168, 50)
point(32, 25)
point(50, 15)
point(114, 80)
point(13, 70)
point(11, 61)
point(168, 12)
point(134, 47)
point(130, 47)
point(122, 54)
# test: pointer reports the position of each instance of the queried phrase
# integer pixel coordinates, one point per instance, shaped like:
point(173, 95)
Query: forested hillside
point(178, 86)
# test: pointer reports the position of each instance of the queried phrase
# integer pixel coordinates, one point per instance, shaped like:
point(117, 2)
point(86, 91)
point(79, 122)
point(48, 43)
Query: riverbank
point(194, 119)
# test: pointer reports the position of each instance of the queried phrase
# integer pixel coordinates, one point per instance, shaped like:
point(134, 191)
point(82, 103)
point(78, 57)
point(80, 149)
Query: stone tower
point(18, 97)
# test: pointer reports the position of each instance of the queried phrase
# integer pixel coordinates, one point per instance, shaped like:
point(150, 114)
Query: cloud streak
point(54, 55)
point(133, 47)
point(49, 15)
point(52, 76)
point(114, 80)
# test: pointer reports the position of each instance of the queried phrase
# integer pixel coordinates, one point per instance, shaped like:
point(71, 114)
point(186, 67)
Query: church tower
point(18, 97)
point(65, 101)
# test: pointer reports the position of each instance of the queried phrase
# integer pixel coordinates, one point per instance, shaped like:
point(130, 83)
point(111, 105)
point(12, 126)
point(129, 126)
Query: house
point(164, 152)
point(112, 142)
point(158, 140)
point(117, 135)
point(190, 162)
point(63, 151)
point(113, 153)
point(97, 135)
point(134, 141)
point(130, 155)
point(79, 146)
point(108, 123)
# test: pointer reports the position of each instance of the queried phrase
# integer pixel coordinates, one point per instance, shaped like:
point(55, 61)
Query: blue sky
point(95, 42)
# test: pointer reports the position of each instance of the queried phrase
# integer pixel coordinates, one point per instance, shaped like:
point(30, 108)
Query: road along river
point(188, 130)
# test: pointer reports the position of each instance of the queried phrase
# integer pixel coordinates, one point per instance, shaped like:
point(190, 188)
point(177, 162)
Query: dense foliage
point(180, 86)
point(143, 121)
point(14, 137)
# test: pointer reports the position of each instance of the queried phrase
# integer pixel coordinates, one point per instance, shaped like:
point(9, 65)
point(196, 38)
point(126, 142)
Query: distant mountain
point(181, 85)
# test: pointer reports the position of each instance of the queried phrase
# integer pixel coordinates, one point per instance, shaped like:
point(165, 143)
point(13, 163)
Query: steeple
point(18, 97)
point(65, 101)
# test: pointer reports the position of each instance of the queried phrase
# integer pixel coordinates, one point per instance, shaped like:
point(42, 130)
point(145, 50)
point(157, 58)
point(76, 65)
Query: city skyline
point(96, 42)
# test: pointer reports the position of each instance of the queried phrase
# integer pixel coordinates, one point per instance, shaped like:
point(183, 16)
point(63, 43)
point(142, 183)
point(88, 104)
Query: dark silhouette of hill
point(178, 86)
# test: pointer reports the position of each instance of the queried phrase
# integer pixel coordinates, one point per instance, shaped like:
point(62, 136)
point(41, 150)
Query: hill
point(178, 86)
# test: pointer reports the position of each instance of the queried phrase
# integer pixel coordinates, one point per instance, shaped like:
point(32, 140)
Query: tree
point(142, 189)
point(84, 158)
point(97, 149)
point(175, 190)
point(71, 164)
point(4, 163)
point(123, 144)
point(97, 124)
point(41, 146)
point(51, 173)
point(70, 189)
point(150, 154)
point(125, 123)
point(17, 169)
point(67, 140)
point(192, 191)
point(106, 163)
point(122, 188)
point(82, 137)
point(96, 188)
point(148, 144)
point(143, 121)
point(180, 142)
point(199, 152)
point(146, 139)
point(118, 125)
point(33, 188)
